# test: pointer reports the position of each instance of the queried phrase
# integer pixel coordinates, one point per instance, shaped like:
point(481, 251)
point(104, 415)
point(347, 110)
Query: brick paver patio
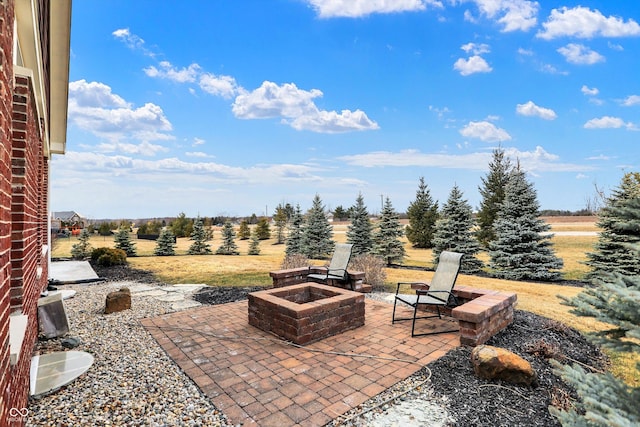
point(255, 378)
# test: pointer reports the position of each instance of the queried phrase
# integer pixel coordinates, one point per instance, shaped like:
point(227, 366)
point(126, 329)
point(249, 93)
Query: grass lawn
point(245, 270)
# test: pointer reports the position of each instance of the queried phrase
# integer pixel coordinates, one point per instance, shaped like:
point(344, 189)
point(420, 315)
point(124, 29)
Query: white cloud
point(525, 52)
point(224, 86)
point(169, 72)
point(631, 100)
point(198, 141)
point(476, 49)
point(589, 91)
point(297, 109)
point(582, 22)
point(132, 41)
point(485, 131)
point(475, 64)
point(532, 110)
point(358, 8)
point(580, 54)
point(607, 122)
point(94, 108)
point(197, 154)
point(144, 148)
point(513, 15)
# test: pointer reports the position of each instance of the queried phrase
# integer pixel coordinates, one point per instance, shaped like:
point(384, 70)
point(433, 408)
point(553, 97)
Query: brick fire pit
point(306, 312)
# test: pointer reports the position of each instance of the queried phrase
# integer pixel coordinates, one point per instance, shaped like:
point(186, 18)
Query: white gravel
point(134, 383)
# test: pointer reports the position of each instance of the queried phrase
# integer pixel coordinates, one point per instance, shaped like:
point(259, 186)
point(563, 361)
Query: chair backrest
point(447, 271)
point(341, 257)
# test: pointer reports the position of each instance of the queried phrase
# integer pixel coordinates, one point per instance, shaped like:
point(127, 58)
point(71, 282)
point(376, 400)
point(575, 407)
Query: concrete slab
point(72, 272)
point(184, 304)
point(134, 289)
point(171, 298)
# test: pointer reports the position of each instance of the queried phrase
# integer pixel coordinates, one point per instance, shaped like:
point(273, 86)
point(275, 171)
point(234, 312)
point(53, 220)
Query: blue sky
point(232, 107)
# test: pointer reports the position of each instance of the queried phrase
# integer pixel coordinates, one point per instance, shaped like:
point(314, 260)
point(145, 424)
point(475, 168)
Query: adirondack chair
point(438, 295)
point(337, 270)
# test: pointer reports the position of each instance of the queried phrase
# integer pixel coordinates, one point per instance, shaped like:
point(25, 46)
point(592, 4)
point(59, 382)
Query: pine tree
point(200, 237)
point(317, 242)
point(254, 245)
point(387, 243)
point(294, 239)
point(492, 192)
point(615, 300)
point(83, 248)
point(123, 241)
point(610, 253)
point(520, 249)
point(453, 232)
point(360, 230)
point(422, 213)
point(166, 243)
point(244, 232)
point(280, 220)
point(181, 226)
point(262, 229)
point(228, 246)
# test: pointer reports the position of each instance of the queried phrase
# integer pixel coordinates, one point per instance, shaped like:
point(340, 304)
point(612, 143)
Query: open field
point(245, 270)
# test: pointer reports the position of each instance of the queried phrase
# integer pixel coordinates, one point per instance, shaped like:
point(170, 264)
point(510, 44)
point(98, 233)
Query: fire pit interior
point(306, 312)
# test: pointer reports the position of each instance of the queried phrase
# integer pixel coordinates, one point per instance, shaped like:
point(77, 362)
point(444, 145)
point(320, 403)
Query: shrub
point(107, 257)
point(373, 267)
point(294, 261)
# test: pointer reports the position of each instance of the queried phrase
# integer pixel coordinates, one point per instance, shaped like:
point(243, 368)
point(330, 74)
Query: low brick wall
point(482, 313)
point(295, 276)
point(306, 312)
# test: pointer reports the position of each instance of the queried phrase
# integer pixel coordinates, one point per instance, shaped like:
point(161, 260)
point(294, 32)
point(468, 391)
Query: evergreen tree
point(123, 241)
point(228, 246)
point(492, 192)
point(339, 214)
point(166, 243)
point(387, 243)
point(244, 232)
point(104, 229)
point(453, 232)
point(615, 300)
point(254, 245)
point(294, 239)
point(262, 229)
point(83, 248)
point(360, 230)
point(317, 242)
point(520, 249)
point(200, 237)
point(280, 220)
point(610, 253)
point(422, 213)
point(181, 226)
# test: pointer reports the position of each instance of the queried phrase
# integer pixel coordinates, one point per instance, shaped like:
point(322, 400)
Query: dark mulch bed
point(471, 400)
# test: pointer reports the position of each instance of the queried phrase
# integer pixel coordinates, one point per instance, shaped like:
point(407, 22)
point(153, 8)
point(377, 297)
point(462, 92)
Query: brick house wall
point(25, 150)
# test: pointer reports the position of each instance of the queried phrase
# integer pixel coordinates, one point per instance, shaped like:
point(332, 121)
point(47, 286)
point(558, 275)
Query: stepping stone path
point(177, 294)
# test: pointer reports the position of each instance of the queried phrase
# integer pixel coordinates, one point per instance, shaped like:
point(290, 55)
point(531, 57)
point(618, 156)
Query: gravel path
point(134, 383)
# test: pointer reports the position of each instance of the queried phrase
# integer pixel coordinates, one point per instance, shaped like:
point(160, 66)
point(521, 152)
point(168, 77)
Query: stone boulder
point(118, 301)
point(497, 363)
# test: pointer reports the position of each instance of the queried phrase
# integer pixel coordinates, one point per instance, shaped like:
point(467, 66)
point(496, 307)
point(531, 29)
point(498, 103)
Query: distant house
point(70, 220)
point(34, 88)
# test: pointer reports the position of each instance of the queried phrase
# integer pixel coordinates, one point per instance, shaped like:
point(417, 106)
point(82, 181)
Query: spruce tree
point(360, 230)
point(166, 243)
point(387, 243)
point(294, 239)
point(280, 221)
point(317, 233)
point(254, 244)
point(262, 229)
point(615, 300)
point(610, 253)
point(200, 237)
point(228, 246)
point(422, 213)
point(123, 241)
point(244, 232)
point(82, 249)
point(520, 249)
point(454, 233)
point(492, 192)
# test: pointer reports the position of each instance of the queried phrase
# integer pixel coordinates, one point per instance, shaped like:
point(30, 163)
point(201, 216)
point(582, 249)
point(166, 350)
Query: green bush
point(108, 256)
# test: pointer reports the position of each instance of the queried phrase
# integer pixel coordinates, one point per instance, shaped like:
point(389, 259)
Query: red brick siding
point(6, 89)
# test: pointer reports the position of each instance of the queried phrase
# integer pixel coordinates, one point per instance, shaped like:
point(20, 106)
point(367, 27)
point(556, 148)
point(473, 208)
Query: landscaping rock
point(497, 363)
point(118, 301)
